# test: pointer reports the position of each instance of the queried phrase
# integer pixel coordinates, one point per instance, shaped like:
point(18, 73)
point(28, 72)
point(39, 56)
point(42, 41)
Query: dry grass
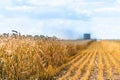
point(45, 59)
point(34, 59)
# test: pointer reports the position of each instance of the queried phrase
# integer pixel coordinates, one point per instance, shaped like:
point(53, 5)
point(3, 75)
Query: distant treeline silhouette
point(16, 34)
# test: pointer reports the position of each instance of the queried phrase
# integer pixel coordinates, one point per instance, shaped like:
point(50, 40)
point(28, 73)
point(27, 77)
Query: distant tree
point(55, 38)
point(14, 31)
point(15, 34)
point(36, 36)
point(30, 36)
point(6, 34)
point(42, 36)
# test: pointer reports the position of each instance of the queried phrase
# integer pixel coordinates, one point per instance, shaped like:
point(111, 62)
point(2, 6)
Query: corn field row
point(41, 59)
point(100, 61)
point(36, 59)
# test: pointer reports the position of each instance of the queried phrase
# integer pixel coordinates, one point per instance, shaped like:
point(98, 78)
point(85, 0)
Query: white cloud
point(4, 3)
point(52, 27)
point(118, 1)
point(107, 9)
point(53, 3)
point(63, 18)
point(20, 8)
point(106, 28)
point(1, 16)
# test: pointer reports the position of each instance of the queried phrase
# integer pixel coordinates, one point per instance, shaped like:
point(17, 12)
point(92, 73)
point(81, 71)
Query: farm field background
point(25, 58)
point(59, 39)
point(31, 58)
point(100, 61)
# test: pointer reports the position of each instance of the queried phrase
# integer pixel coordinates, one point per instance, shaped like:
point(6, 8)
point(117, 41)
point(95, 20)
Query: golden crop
point(35, 59)
point(48, 59)
point(100, 61)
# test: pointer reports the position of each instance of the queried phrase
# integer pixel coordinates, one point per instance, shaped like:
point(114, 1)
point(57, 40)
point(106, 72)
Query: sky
point(67, 19)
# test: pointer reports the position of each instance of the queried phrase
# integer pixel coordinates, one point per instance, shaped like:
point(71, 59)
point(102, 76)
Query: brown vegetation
point(28, 58)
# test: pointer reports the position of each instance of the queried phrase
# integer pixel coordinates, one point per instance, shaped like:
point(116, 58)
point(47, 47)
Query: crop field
point(100, 61)
point(30, 58)
point(24, 58)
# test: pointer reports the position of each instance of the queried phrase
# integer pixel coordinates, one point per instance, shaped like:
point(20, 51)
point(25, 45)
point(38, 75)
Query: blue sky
point(67, 19)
